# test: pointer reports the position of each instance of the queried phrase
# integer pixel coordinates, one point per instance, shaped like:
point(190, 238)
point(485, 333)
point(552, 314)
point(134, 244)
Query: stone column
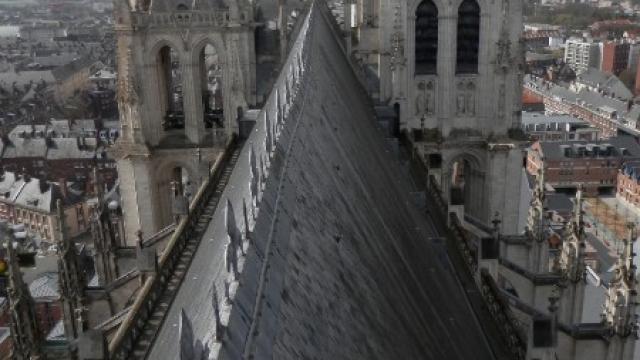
point(486, 99)
point(347, 26)
point(446, 67)
point(192, 100)
point(137, 188)
point(154, 103)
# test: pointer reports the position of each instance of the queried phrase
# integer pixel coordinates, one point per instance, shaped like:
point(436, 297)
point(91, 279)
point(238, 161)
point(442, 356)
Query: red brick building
point(628, 187)
point(60, 150)
point(559, 100)
point(568, 164)
point(614, 28)
point(531, 101)
point(615, 56)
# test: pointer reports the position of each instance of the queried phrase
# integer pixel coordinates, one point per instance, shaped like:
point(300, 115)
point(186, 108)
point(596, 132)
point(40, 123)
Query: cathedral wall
point(566, 345)
point(541, 296)
point(517, 254)
point(132, 188)
point(521, 284)
point(589, 349)
point(146, 187)
point(526, 195)
point(504, 163)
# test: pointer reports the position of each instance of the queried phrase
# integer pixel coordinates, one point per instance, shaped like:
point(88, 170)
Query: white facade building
point(581, 55)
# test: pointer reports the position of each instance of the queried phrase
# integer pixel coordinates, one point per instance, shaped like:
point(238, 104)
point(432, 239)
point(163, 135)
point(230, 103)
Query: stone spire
point(24, 324)
point(103, 238)
point(538, 223)
point(536, 209)
point(572, 264)
point(71, 281)
point(186, 337)
point(620, 304)
point(104, 247)
point(216, 312)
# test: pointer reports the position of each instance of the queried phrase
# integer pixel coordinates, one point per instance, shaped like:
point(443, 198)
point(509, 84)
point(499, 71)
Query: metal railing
point(125, 338)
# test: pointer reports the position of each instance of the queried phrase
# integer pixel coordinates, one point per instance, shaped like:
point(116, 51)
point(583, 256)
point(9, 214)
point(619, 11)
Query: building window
point(468, 37)
point(426, 38)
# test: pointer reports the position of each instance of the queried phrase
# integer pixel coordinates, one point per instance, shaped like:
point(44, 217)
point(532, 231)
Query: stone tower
point(452, 70)
point(105, 232)
point(25, 331)
point(71, 281)
point(186, 70)
point(571, 266)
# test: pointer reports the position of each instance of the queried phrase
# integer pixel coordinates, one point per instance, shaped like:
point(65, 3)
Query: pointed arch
point(426, 38)
point(468, 38)
point(209, 54)
point(169, 89)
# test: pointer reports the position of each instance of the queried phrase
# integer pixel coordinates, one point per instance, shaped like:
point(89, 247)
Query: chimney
point(89, 186)
point(44, 185)
point(62, 182)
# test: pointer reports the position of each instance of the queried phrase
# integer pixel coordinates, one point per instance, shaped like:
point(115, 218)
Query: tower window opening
point(468, 37)
point(212, 97)
point(170, 85)
point(426, 38)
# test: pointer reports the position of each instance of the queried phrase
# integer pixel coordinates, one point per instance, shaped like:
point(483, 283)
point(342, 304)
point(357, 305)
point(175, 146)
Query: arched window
point(183, 7)
point(468, 37)
point(211, 91)
point(426, 38)
point(170, 88)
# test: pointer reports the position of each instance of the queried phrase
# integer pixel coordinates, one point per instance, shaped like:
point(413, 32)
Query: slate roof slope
point(67, 148)
point(555, 150)
point(25, 148)
point(352, 272)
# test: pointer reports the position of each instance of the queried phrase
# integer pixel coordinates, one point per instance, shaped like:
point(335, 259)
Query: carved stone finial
point(216, 313)
point(186, 337)
point(553, 299)
point(139, 242)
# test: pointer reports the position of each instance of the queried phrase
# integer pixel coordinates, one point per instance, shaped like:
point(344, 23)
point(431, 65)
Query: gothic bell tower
point(453, 71)
point(186, 71)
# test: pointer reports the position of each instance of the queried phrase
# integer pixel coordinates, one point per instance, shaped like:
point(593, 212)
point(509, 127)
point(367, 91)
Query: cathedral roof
point(341, 265)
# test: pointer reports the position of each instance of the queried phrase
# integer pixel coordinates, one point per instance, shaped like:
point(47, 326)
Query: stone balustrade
point(141, 310)
point(498, 307)
point(218, 18)
point(501, 312)
point(248, 178)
